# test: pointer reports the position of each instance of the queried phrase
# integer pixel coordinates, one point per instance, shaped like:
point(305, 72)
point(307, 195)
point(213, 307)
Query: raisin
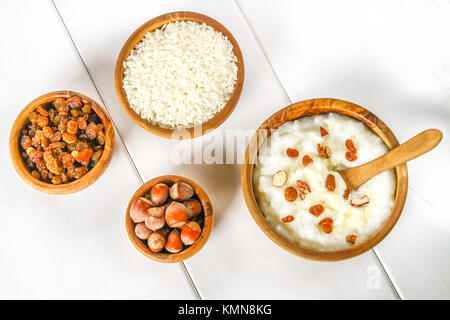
point(58, 144)
point(351, 156)
point(323, 150)
point(350, 146)
point(57, 180)
point(44, 174)
point(48, 132)
point(25, 142)
point(293, 153)
point(326, 224)
point(72, 127)
point(64, 177)
point(307, 160)
point(351, 238)
point(74, 102)
point(74, 113)
point(61, 105)
point(42, 121)
point(51, 163)
point(86, 108)
point(81, 122)
point(36, 174)
point(288, 219)
point(101, 138)
point(83, 156)
point(42, 111)
point(303, 186)
point(33, 117)
point(66, 159)
point(69, 138)
point(330, 183)
point(57, 136)
point(79, 172)
point(317, 210)
point(323, 131)
point(290, 194)
point(96, 156)
point(62, 125)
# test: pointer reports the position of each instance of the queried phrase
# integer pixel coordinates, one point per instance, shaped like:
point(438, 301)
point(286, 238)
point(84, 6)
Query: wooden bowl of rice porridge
point(179, 75)
point(294, 193)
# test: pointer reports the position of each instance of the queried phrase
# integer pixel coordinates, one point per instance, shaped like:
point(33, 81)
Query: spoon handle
point(409, 150)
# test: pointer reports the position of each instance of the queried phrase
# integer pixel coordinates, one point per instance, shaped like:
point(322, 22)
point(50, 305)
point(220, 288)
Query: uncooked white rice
point(180, 75)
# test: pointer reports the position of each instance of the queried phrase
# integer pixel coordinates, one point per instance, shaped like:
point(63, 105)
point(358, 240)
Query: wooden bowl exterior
point(73, 186)
point(157, 23)
point(191, 250)
point(311, 108)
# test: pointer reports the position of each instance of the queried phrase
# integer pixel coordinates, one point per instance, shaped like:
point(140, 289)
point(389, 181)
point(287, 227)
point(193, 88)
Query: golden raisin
point(48, 132)
point(42, 111)
point(61, 105)
point(25, 142)
point(42, 121)
point(81, 122)
point(72, 127)
point(86, 108)
point(74, 102)
point(91, 131)
point(69, 138)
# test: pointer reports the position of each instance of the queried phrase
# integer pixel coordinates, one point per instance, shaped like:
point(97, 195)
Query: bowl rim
point(314, 107)
point(73, 186)
point(178, 133)
point(208, 223)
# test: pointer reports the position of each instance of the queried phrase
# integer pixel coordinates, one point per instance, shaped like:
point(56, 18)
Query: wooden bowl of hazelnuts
point(169, 218)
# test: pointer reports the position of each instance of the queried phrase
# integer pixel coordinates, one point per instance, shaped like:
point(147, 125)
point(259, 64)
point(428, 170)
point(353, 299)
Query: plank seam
point(182, 264)
point(394, 288)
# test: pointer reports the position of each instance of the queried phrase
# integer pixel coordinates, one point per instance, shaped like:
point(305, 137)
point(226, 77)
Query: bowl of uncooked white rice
point(180, 71)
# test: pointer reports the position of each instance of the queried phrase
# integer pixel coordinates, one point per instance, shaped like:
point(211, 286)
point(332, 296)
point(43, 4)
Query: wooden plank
point(393, 58)
point(70, 246)
point(238, 261)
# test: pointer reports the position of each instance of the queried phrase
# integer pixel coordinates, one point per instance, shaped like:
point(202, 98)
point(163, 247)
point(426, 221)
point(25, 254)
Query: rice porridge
point(305, 199)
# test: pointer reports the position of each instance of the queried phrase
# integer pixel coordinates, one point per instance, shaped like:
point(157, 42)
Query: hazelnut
point(138, 210)
point(279, 178)
point(174, 244)
point(157, 212)
point(159, 194)
point(154, 223)
point(142, 232)
point(194, 207)
point(176, 214)
point(156, 241)
point(360, 202)
point(181, 191)
point(190, 232)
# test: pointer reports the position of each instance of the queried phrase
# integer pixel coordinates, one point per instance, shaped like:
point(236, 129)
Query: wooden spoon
point(420, 144)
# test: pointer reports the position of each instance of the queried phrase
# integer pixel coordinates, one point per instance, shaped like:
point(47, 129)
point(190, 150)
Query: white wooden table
point(392, 57)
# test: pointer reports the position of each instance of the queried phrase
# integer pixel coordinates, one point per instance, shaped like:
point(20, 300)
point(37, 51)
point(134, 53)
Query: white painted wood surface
point(71, 246)
point(392, 57)
point(238, 261)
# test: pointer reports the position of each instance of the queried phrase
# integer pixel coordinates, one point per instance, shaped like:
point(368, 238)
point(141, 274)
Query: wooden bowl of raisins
point(61, 142)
